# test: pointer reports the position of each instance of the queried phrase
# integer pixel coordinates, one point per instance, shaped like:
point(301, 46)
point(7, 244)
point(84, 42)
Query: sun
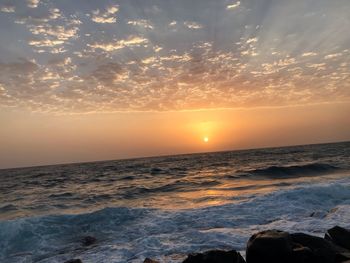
point(205, 139)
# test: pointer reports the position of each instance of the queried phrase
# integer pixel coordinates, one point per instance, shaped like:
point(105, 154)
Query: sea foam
point(130, 234)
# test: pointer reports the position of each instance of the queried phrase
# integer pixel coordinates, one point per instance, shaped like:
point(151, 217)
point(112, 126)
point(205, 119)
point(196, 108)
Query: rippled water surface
point(165, 207)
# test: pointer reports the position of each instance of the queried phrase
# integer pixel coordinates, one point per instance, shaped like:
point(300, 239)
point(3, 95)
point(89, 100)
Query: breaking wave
point(127, 234)
point(295, 170)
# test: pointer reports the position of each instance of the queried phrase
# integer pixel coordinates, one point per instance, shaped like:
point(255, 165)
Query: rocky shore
point(275, 246)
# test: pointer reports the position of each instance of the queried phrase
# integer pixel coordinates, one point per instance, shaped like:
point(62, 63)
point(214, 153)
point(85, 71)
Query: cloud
point(317, 66)
point(108, 73)
point(331, 56)
point(150, 60)
point(54, 13)
point(33, 3)
point(7, 9)
point(75, 64)
point(107, 16)
point(45, 43)
point(252, 40)
point(16, 79)
point(59, 32)
point(115, 45)
point(193, 25)
point(51, 15)
point(157, 48)
point(50, 29)
point(309, 54)
point(176, 58)
point(141, 23)
point(233, 6)
point(24, 66)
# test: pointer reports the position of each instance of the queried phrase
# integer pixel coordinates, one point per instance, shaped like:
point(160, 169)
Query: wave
point(294, 170)
point(62, 195)
point(124, 234)
point(177, 186)
point(7, 208)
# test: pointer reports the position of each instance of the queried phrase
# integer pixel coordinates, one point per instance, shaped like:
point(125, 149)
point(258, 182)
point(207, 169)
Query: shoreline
point(273, 246)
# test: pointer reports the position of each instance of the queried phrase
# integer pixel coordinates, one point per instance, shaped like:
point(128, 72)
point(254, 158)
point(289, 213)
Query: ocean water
point(166, 207)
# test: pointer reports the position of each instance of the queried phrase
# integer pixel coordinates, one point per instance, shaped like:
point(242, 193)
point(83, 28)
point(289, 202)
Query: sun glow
point(206, 139)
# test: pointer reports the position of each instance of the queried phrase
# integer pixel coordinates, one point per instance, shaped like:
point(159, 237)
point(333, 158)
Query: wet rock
point(321, 250)
point(271, 246)
point(148, 260)
point(339, 236)
point(302, 254)
point(215, 256)
point(342, 257)
point(74, 261)
point(275, 246)
point(88, 240)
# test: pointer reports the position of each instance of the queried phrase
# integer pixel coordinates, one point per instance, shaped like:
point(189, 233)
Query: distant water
point(166, 207)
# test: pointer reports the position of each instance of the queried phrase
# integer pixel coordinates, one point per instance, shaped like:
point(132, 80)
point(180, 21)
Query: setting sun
point(206, 139)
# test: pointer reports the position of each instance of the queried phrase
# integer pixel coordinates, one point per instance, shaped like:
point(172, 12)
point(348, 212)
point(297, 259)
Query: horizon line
point(168, 155)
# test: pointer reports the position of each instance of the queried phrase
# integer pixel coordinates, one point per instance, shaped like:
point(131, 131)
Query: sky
point(91, 80)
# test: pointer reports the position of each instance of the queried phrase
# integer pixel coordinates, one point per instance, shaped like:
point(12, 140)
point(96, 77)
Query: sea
point(167, 207)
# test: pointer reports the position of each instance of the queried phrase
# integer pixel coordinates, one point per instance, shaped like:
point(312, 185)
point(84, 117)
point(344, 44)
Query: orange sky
point(94, 80)
point(34, 139)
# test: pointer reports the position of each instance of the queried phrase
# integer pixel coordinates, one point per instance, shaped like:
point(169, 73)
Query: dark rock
point(215, 256)
point(74, 261)
point(88, 240)
point(302, 254)
point(322, 251)
point(342, 257)
point(271, 246)
point(339, 236)
point(275, 246)
point(148, 260)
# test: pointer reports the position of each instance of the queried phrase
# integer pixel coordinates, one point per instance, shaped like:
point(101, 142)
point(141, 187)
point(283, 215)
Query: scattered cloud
point(33, 3)
point(193, 25)
point(172, 23)
point(141, 23)
point(309, 54)
point(115, 45)
point(157, 58)
point(157, 48)
point(49, 16)
point(45, 43)
point(331, 56)
point(7, 9)
point(317, 66)
point(106, 16)
point(59, 32)
point(233, 6)
point(252, 40)
point(54, 13)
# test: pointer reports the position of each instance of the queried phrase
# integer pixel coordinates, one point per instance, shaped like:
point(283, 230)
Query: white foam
point(133, 234)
